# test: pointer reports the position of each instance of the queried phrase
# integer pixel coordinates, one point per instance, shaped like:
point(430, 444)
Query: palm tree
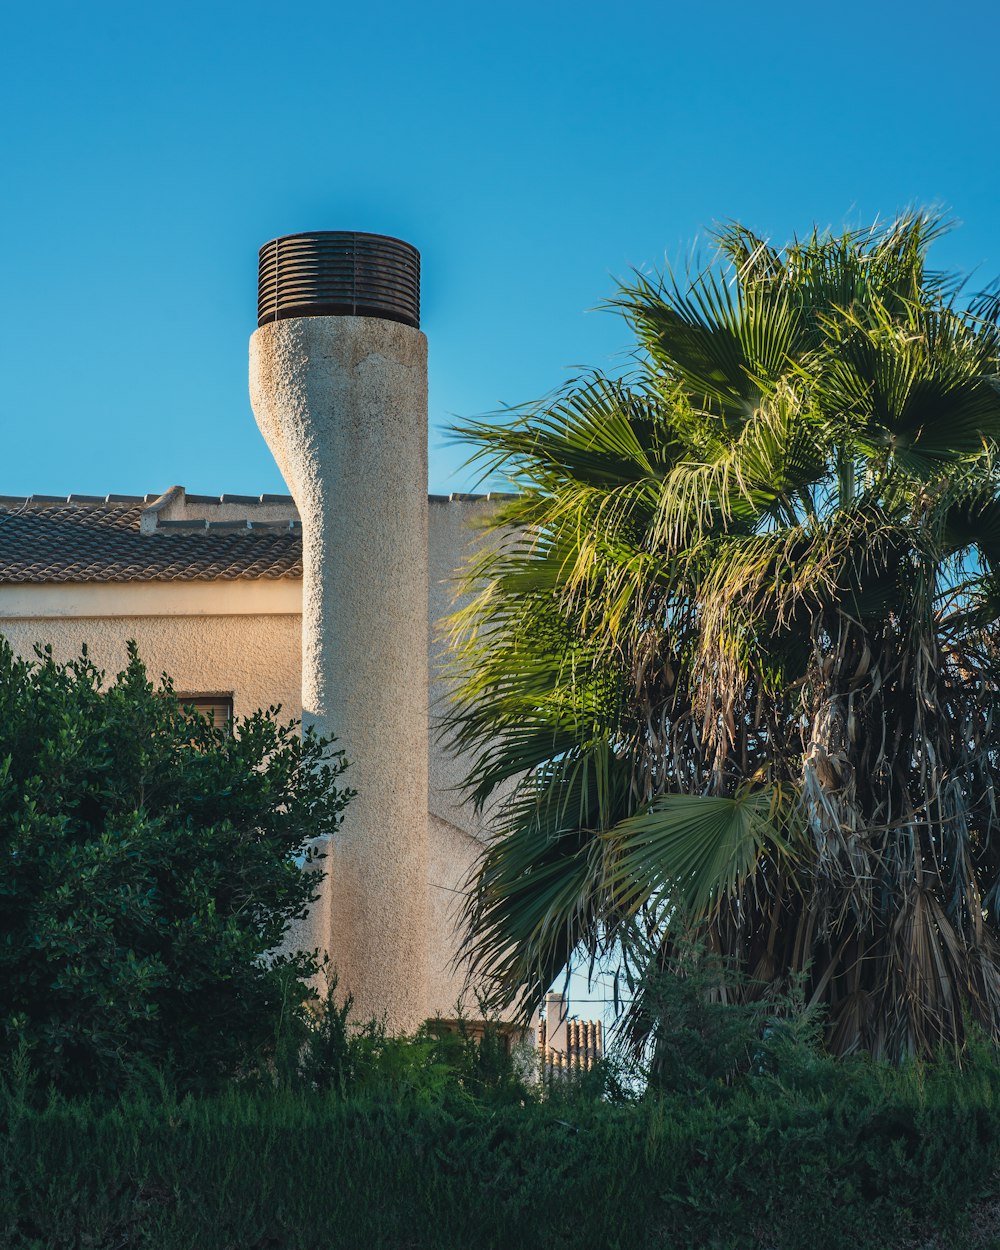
point(729, 667)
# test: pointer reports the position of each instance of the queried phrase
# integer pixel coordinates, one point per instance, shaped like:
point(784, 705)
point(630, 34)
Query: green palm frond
point(692, 852)
point(537, 896)
point(974, 521)
point(724, 347)
point(765, 476)
point(917, 388)
point(597, 431)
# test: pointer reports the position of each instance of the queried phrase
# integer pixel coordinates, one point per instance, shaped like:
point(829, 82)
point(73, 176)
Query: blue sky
point(533, 152)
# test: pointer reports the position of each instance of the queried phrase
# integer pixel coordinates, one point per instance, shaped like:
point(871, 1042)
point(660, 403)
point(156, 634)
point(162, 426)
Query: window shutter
point(218, 708)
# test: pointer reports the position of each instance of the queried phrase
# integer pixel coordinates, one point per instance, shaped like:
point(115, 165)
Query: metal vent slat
point(338, 273)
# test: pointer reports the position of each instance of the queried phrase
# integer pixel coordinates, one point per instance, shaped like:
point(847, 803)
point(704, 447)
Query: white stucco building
point(210, 587)
point(327, 601)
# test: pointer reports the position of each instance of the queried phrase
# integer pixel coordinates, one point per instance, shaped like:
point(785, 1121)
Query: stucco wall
point(455, 533)
point(452, 853)
point(254, 657)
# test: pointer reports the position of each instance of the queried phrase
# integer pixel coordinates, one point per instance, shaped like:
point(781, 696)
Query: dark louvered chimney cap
point(339, 273)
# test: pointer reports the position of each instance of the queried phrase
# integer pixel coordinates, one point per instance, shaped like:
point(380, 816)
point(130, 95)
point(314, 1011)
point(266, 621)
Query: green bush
point(857, 1166)
point(149, 861)
point(332, 1053)
point(698, 1025)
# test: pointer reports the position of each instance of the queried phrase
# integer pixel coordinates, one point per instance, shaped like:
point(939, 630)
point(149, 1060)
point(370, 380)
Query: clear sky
point(533, 152)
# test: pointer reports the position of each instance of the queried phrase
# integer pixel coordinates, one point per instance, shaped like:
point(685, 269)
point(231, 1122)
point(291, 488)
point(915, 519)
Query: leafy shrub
point(332, 1053)
point(699, 1025)
point(148, 864)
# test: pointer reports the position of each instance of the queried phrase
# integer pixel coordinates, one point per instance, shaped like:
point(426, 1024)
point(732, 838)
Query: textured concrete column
point(342, 403)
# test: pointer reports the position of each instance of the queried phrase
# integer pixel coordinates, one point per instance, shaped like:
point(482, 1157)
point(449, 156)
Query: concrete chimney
point(556, 1015)
point(338, 385)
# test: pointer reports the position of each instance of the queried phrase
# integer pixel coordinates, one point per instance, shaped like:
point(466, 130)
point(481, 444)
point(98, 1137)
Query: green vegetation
point(426, 1145)
point(733, 667)
point(147, 865)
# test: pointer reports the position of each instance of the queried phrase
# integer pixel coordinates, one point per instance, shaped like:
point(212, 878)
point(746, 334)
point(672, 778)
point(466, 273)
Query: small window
point(218, 708)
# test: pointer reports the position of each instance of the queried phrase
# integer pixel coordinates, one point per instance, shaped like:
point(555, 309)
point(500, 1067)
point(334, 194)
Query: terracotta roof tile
point(50, 539)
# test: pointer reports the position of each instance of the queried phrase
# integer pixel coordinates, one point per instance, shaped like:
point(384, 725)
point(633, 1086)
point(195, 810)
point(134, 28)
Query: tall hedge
point(877, 1161)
